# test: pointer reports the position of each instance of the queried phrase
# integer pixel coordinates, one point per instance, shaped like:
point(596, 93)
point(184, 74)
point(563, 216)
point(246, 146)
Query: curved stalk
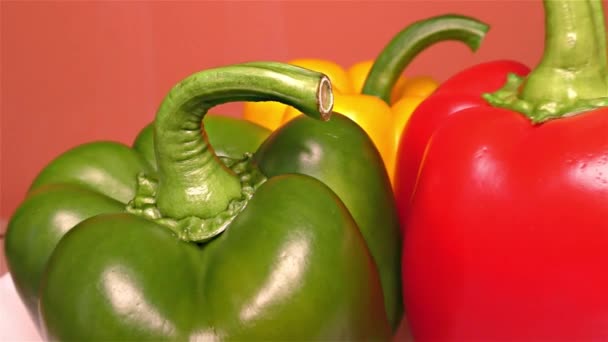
point(407, 44)
point(192, 180)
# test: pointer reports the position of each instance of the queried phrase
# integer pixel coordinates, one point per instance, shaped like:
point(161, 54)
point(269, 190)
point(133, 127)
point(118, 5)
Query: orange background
point(73, 72)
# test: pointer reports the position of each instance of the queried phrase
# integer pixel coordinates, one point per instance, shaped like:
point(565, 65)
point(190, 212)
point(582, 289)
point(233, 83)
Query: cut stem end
point(325, 98)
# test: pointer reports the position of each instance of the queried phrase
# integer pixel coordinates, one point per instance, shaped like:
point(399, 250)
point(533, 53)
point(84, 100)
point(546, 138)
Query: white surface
point(15, 322)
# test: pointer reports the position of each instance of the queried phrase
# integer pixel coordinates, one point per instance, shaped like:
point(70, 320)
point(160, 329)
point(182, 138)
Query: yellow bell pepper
point(375, 94)
point(267, 114)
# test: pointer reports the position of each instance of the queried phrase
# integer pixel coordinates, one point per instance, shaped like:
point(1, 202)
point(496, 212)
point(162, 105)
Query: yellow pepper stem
point(408, 43)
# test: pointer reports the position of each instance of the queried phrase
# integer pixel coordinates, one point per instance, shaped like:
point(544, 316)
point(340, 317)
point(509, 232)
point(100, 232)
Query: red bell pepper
point(504, 194)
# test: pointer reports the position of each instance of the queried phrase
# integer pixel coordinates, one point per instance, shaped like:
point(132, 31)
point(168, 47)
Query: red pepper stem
point(192, 179)
point(572, 76)
point(573, 66)
point(600, 30)
point(407, 44)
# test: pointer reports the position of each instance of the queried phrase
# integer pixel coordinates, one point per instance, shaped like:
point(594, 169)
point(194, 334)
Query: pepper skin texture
point(203, 247)
point(507, 234)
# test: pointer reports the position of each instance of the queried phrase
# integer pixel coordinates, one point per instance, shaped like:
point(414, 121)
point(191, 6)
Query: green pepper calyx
point(192, 228)
point(572, 76)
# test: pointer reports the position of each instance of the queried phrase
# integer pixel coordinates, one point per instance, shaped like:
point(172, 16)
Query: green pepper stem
point(573, 66)
point(192, 179)
point(412, 40)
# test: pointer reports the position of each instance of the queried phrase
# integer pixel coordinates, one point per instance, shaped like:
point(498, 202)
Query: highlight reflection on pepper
point(283, 280)
point(127, 300)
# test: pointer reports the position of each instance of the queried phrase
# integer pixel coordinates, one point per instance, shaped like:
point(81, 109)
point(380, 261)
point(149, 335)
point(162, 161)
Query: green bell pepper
point(105, 247)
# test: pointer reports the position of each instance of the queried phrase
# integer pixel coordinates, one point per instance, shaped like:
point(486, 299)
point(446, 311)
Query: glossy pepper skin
point(304, 146)
point(385, 100)
point(507, 236)
point(205, 248)
point(461, 91)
